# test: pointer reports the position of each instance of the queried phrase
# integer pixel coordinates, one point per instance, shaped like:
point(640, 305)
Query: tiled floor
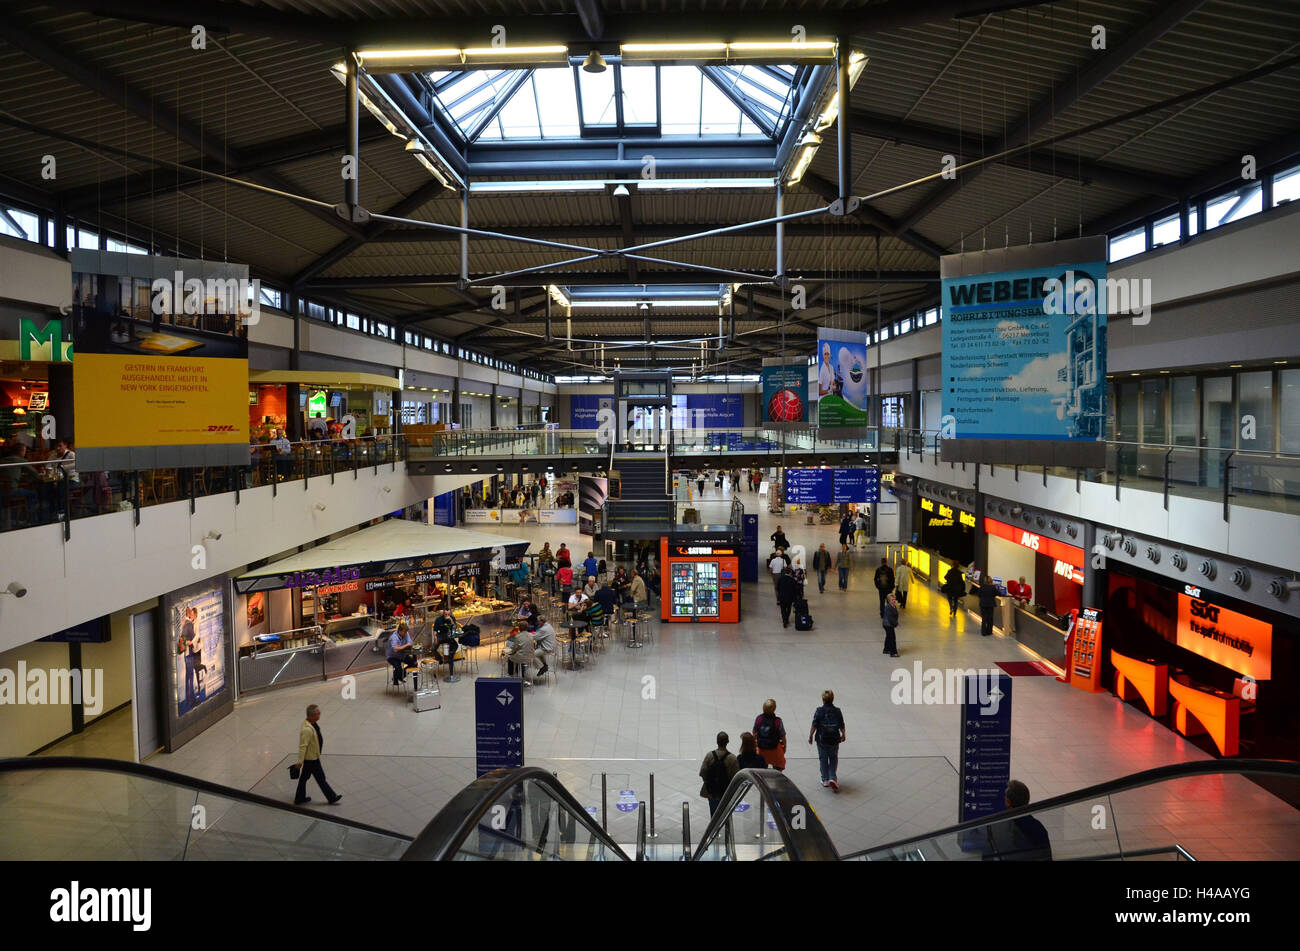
point(657, 710)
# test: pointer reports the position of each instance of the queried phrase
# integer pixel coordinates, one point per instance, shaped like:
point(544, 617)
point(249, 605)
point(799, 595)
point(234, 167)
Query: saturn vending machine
point(701, 580)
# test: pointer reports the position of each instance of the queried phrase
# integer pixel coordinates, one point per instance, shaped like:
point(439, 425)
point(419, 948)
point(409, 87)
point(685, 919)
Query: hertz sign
point(1227, 638)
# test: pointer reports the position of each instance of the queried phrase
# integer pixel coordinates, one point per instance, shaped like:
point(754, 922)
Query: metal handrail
point(807, 841)
point(1149, 777)
point(640, 832)
point(28, 764)
point(446, 833)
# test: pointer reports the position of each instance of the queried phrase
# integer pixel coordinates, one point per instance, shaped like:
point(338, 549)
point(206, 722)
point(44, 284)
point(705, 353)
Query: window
point(1286, 186)
point(381, 329)
point(1166, 231)
point(1234, 206)
point(19, 223)
point(1127, 245)
point(1289, 411)
point(932, 316)
point(1255, 410)
point(1183, 404)
point(354, 322)
point(1153, 410)
point(270, 297)
point(83, 239)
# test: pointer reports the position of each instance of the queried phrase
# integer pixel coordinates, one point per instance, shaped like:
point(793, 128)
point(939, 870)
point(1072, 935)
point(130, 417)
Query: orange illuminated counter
point(1147, 678)
point(1202, 709)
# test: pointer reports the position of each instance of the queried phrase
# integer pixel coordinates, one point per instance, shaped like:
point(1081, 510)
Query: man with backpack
point(769, 736)
point(716, 771)
point(821, 563)
point(828, 732)
point(884, 583)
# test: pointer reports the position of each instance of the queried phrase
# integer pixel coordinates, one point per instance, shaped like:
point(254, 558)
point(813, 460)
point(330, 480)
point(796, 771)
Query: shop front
point(320, 613)
point(1042, 580)
point(944, 537)
point(318, 404)
point(1218, 669)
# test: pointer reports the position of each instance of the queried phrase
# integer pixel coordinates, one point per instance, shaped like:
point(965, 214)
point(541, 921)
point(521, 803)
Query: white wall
point(1010, 561)
point(115, 659)
point(23, 728)
point(110, 564)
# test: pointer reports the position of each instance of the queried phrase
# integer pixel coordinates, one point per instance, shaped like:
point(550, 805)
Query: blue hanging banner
point(499, 723)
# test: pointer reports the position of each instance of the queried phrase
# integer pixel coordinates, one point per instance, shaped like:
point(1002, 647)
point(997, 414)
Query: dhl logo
point(221, 429)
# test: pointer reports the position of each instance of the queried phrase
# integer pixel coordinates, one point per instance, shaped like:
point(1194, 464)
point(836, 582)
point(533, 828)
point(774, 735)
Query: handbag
point(294, 771)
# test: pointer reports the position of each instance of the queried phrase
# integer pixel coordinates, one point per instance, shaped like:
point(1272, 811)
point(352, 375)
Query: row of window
point(1269, 190)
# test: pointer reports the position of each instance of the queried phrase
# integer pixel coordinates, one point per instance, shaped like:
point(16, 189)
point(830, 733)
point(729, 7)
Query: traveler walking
point(843, 561)
point(310, 744)
point(787, 593)
point(779, 541)
point(988, 595)
point(699, 483)
point(846, 531)
point(884, 583)
point(776, 564)
point(821, 562)
point(902, 581)
point(828, 732)
point(890, 620)
point(954, 586)
point(769, 732)
point(716, 771)
point(861, 531)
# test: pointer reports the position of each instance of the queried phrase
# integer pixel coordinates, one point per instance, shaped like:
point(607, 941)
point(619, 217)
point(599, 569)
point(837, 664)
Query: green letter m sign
point(43, 344)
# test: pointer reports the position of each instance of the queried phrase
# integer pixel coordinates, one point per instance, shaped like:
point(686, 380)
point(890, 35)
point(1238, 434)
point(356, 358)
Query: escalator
point(67, 808)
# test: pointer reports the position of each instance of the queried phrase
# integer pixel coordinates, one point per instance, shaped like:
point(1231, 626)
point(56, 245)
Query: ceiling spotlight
point(1072, 530)
point(620, 191)
point(473, 467)
point(1110, 539)
point(1056, 525)
point(500, 467)
point(594, 63)
point(447, 467)
point(1153, 553)
point(17, 589)
point(1280, 588)
point(1130, 547)
point(1178, 560)
point(644, 305)
point(1241, 578)
point(1209, 569)
point(1042, 522)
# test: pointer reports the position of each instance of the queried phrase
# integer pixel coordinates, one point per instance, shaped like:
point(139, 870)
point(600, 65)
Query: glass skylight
point(734, 101)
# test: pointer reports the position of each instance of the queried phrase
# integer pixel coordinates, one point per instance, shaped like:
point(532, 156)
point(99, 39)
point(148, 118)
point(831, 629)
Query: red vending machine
point(700, 580)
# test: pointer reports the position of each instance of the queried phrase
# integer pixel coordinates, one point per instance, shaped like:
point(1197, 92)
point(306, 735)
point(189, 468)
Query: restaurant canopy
point(395, 546)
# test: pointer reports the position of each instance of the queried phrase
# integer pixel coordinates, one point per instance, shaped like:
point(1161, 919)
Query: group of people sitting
point(447, 637)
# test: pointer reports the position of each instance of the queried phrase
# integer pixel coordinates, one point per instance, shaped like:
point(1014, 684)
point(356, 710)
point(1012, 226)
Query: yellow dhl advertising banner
point(132, 400)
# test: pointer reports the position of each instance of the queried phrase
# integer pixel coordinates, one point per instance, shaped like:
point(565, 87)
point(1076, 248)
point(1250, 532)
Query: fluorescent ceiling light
point(558, 295)
point(782, 45)
point(673, 47)
point(518, 51)
point(649, 184)
point(671, 302)
point(801, 164)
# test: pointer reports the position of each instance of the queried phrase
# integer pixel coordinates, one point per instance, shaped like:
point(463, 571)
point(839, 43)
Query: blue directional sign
point(985, 746)
point(499, 730)
point(855, 485)
point(808, 486)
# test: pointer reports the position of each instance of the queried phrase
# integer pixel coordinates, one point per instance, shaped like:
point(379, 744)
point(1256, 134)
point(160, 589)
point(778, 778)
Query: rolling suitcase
point(427, 699)
point(802, 617)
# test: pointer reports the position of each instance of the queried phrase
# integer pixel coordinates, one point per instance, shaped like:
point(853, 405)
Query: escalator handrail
point(442, 838)
point(1148, 777)
point(23, 764)
point(809, 844)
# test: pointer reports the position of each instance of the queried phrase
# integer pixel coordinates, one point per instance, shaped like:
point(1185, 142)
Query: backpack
point(828, 734)
point(768, 735)
point(717, 777)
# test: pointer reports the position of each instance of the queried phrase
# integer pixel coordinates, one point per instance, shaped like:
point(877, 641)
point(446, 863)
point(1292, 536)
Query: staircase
point(645, 510)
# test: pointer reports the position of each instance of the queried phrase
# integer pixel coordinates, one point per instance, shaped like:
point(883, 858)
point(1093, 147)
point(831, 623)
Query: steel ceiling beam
point(408, 205)
point(881, 221)
point(604, 278)
point(1066, 94)
point(162, 179)
point(112, 87)
point(841, 228)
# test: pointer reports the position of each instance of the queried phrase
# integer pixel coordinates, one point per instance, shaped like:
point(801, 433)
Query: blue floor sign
point(499, 726)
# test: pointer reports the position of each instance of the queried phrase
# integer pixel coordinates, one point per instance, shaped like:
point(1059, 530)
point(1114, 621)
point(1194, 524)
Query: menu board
point(985, 746)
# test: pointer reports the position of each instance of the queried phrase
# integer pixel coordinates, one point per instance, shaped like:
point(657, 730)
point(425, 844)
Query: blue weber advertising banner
point(1024, 348)
point(841, 378)
point(785, 392)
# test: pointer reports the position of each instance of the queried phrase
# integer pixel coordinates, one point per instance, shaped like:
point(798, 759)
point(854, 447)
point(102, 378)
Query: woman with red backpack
point(769, 732)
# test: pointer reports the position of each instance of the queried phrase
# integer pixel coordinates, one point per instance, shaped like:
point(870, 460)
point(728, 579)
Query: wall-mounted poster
point(256, 608)
point(592, 493)
point(1024, 352)
point(841, 378)
point(196, 625)
point(785, 390)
